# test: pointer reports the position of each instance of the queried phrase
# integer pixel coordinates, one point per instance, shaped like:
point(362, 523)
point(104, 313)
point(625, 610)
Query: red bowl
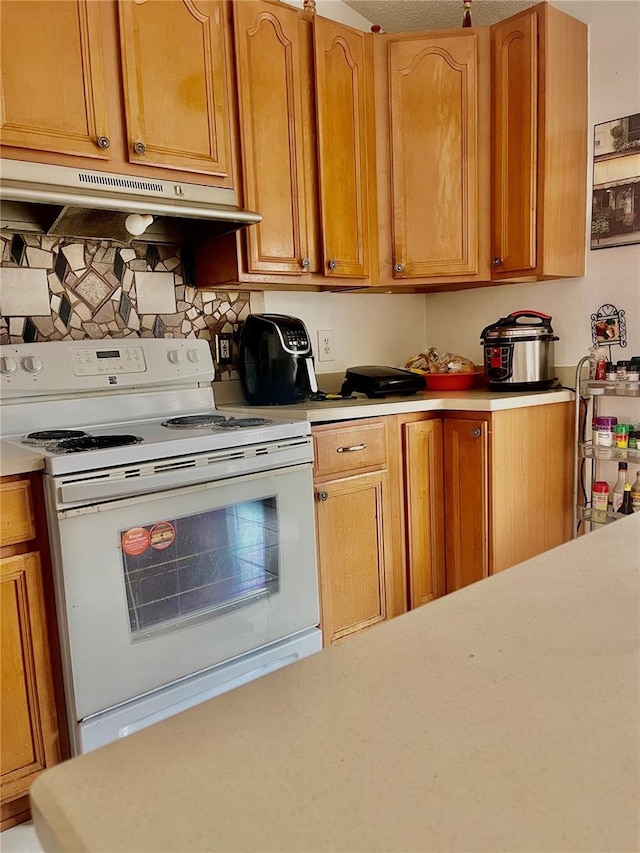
point(450, 381)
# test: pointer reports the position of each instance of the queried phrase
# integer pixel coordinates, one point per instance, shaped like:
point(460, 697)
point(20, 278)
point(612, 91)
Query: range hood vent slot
point(108, 180)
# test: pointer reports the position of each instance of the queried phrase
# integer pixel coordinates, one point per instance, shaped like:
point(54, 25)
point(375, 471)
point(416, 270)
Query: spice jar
point(621, 371)
point(602, 431)
point(621, 435)
point(599, 500)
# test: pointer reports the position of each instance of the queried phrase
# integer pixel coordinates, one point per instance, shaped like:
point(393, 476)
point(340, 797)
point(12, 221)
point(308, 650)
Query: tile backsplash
point(59, 288)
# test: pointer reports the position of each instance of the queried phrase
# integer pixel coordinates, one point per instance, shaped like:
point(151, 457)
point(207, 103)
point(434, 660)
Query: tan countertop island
point(503, 717)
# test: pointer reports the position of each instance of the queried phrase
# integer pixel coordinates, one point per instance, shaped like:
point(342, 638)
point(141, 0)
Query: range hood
point(81, 203)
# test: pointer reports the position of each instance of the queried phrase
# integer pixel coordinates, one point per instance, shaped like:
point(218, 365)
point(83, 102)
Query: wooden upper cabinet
point(344, 114)
point(438, 125)
point(539, 84)
point(175, 85)
point(271, 80)
point(53, 88)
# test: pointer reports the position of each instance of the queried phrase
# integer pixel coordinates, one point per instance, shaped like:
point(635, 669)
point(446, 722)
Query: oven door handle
point(97, 490)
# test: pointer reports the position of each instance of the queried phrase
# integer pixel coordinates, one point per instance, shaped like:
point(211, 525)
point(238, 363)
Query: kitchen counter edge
point(363, 407)
point(17, 460)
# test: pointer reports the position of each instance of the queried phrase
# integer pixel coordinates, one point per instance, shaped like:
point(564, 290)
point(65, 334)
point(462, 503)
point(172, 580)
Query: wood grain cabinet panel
point(432, 102)
point(359, 560)
point(424, 510)
point(539, 94)
point(53, 87)
point(17, 522)
point(175, 85)
point(29, 722)
point(344, 118)
point(30, 686)
point(466, 497)
point(352, 549)
point(271, 82)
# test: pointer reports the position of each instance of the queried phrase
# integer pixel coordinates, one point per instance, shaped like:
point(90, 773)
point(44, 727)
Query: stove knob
point(194, 356)
point(175, 356)
point(8, 365)
point(32, 364)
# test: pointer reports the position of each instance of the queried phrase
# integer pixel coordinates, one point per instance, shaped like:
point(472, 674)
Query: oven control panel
point(111, 359)
point(66, 367)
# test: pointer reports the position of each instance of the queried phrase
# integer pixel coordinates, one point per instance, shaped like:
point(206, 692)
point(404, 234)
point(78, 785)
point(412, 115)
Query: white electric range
point(183, 540)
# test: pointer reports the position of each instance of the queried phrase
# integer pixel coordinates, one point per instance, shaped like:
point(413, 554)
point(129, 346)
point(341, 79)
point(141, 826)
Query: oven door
point(155, 588)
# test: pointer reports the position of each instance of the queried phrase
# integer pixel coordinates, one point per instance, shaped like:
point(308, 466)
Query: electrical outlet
point(325, 346)
point(223, 348)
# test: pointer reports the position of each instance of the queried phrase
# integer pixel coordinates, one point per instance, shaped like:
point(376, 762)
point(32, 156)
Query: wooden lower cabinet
point(420, 440)
point(507, 488)
point(410, 507)
point(32, 727)
point(357, 553)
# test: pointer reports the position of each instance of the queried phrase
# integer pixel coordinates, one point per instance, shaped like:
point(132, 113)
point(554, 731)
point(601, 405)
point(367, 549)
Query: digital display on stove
point(108, 353)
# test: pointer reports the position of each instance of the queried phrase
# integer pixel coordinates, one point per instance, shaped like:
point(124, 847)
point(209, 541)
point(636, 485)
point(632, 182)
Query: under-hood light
point(137, 223)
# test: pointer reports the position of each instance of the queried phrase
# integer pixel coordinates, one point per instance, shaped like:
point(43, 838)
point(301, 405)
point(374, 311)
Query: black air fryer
point(276, 361)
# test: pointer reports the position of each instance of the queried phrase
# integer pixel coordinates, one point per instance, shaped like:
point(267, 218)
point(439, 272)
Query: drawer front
point(16, 519)
point(349, 446)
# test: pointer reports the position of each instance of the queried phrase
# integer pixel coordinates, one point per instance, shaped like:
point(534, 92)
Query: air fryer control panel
point(295, 341)
point(498, 362)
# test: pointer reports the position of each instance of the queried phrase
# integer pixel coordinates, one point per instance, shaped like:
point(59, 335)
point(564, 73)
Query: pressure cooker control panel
point(498, 362)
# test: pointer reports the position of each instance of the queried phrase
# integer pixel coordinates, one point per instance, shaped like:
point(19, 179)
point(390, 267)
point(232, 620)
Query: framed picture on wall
point(615, 208)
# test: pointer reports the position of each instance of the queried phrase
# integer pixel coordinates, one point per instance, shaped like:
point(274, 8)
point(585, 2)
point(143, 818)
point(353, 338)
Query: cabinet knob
point(496, 261)
point(398, 267)
point(103, 142)
point(332, 265)
point(476, 432)
point(322, 496)
point(305, 263)
point(139, 147)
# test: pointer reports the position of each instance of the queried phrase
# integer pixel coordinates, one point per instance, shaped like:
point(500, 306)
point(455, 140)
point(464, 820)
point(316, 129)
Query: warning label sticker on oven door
point(135, 541)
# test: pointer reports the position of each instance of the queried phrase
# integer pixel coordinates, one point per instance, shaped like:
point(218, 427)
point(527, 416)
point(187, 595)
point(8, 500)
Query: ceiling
point(402, 15)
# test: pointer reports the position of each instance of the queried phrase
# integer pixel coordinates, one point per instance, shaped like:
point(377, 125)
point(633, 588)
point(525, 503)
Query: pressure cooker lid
point(520, 325)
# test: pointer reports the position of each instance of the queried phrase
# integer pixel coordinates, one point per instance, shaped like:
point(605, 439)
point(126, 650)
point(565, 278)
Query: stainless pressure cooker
point(518, 352)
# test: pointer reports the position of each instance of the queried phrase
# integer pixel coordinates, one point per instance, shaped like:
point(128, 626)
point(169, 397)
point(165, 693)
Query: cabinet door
point(466, 501)
point(174, 70)
point(344, 119)
point(424, 508)
point(53, 92)
point(515, 127)
point(272, 79)
point(433, 90)
point(351, 532)
point(540, 106)
point(28, 715)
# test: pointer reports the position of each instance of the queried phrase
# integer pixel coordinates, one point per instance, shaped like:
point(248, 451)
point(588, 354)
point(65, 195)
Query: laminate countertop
point(480, 400)
point(502, 717)
point(18, 460)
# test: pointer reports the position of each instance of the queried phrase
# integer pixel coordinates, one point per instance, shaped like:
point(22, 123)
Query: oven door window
point(185, 569)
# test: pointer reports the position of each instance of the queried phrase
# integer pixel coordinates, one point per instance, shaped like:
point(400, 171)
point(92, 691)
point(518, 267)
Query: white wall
point(385, 329)
point(455, 320)
point(367, 328)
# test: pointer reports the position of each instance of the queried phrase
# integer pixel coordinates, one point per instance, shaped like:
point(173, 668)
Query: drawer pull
point(351, 449)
